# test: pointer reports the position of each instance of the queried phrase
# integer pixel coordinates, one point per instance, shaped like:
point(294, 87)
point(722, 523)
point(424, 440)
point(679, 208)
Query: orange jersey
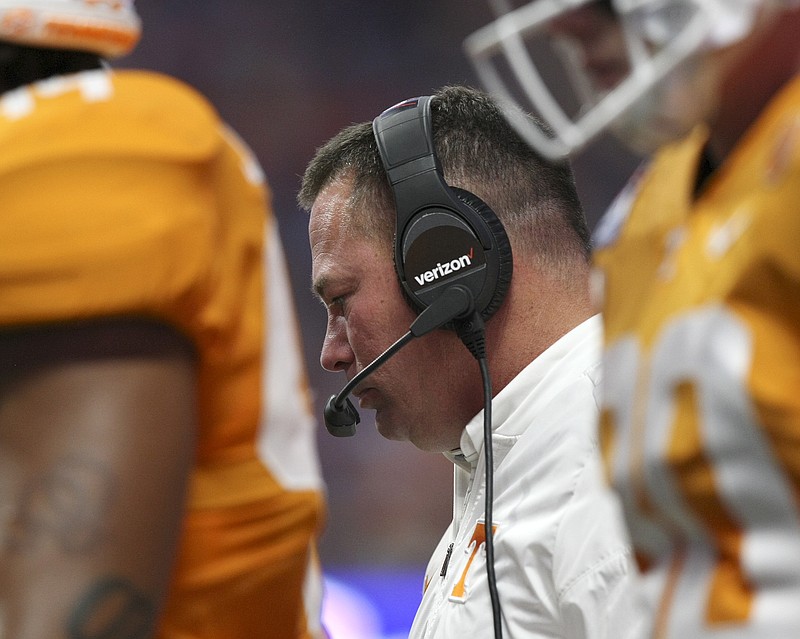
point(122, 194)
point(701, 420)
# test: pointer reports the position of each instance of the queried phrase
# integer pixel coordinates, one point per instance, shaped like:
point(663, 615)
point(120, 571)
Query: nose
point(336, 354)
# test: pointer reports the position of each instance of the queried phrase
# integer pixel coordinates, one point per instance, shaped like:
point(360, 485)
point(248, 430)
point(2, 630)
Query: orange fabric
point(702, 308)
point(123, 195)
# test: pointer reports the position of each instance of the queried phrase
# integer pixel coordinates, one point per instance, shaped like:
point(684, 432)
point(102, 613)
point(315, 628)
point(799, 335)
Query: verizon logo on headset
point(442, 270)
point(439, 254)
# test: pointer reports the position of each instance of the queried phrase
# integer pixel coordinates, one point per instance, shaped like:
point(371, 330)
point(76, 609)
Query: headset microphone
point(455, 303)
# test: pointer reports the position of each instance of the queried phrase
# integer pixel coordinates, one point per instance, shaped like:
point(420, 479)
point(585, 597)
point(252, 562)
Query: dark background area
point(287, 76)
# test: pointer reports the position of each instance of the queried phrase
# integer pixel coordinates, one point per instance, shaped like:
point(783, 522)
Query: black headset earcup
point(500, 243)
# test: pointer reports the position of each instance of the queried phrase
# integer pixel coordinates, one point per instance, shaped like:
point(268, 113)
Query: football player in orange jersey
point(700, 273)
point(158, 472)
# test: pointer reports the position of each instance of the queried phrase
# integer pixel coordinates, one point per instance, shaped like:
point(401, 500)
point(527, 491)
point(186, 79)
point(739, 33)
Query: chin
point(389, 431)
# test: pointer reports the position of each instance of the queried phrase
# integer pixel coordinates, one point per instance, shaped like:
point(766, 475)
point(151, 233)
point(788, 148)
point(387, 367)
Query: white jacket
point(562, 556)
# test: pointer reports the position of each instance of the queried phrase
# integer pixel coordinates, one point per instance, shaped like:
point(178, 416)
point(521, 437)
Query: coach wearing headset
point(417, 215)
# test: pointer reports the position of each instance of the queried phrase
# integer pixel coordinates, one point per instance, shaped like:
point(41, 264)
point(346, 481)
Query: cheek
point(379, 326)
point(379, 314)
point(392, 307)
point(399, 311)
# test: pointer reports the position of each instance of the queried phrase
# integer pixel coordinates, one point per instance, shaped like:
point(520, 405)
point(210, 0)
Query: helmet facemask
point(587, 66)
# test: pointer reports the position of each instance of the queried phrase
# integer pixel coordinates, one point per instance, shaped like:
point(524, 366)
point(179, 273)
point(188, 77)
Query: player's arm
point(97, 428)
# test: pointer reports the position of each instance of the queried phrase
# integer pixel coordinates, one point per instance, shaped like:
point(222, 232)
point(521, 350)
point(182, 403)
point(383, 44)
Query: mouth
point(364, 394)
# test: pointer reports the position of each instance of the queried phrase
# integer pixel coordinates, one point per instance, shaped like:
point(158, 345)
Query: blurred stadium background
point(287, 76)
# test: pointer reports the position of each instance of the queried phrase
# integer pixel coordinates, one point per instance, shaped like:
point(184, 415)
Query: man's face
point(427, 392)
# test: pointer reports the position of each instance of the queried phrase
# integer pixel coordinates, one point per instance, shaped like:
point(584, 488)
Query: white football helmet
point(110, 28)
point(650, 89)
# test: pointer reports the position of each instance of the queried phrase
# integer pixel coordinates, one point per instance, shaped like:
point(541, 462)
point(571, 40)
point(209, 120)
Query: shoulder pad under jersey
point(106, 114)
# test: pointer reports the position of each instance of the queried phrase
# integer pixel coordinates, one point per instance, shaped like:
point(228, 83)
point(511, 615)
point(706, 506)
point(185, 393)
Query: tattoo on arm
point(65, 505)
point(113, 608)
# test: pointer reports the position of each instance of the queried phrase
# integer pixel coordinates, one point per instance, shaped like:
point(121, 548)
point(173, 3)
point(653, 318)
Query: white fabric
point(562, 557)
point(287, 441)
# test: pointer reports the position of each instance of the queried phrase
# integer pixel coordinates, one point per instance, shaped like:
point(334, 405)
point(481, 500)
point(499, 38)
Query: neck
point(21, 65)
point(538, 311)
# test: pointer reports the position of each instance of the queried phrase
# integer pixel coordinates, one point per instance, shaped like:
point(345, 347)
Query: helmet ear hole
point(109, 29)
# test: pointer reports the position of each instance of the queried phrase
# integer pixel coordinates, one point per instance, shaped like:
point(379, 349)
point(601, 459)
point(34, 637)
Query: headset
point(443, 235)
point(453, 259)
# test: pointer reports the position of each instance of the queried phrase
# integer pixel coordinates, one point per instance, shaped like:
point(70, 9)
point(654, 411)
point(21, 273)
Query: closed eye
point(337, 304)
point(333, 295)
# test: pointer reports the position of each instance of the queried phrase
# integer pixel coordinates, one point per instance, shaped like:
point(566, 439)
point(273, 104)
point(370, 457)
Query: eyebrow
point(318, 287)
